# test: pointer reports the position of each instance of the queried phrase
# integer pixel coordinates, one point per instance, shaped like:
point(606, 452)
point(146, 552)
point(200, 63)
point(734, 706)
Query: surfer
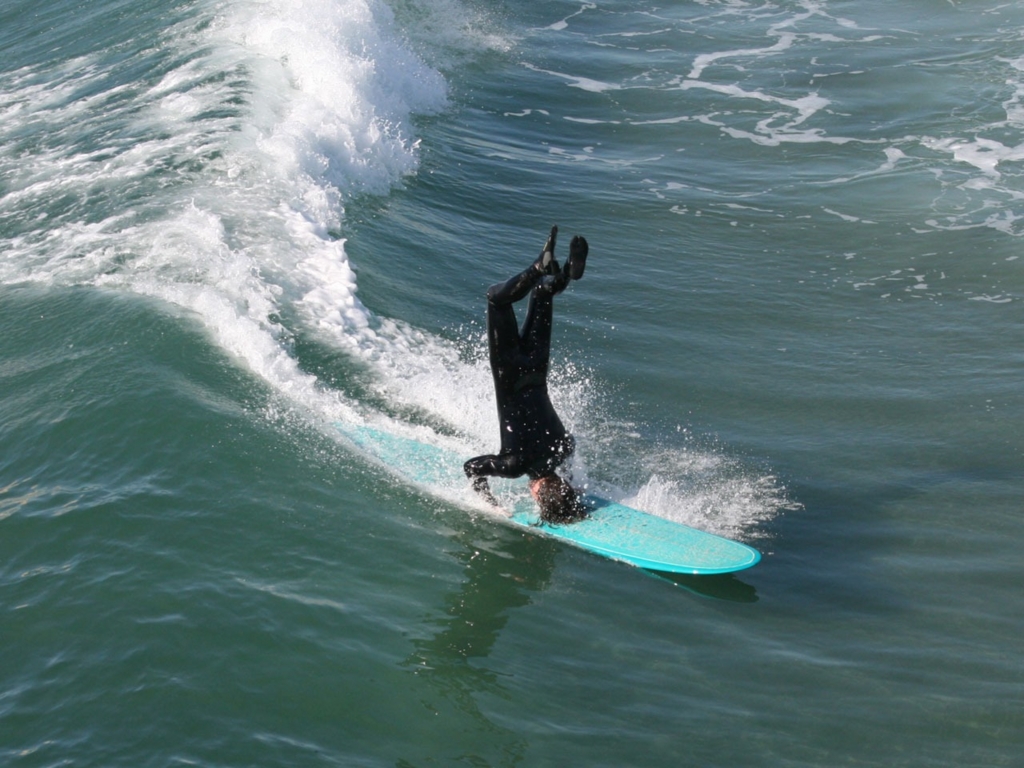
point(534, 442)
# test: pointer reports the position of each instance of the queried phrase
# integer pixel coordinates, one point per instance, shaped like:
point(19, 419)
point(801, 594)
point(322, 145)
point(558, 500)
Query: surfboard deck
point(610, 529)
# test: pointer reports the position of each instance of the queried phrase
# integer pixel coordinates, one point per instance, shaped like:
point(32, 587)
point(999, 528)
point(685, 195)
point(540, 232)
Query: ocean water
point(226, 225)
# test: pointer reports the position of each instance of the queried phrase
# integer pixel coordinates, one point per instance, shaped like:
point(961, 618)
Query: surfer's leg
point(502, 334)
point(502, 328)
point(516, 288)
point(536, 335)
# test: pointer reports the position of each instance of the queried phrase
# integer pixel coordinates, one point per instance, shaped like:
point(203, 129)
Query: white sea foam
point(578, 81)
point(984, 154)
point(242, 157)
point(562, 24)
point(794, 113)
point(784, 33)
point(704, 60)
point(704, 493)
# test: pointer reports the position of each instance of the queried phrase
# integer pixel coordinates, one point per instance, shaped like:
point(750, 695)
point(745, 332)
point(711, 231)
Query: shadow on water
point(725, 586)
point(501, 573)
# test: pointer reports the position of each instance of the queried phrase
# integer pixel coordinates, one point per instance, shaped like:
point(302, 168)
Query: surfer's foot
point(577, 262)
point(546, 263)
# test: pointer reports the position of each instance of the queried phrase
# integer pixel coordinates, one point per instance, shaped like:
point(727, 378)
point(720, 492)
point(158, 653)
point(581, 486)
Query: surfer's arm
point(490, 465)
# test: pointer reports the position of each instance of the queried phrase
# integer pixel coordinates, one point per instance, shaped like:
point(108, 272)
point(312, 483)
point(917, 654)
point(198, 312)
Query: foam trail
point(218, 184)
point(267, 119)
point(805, 108)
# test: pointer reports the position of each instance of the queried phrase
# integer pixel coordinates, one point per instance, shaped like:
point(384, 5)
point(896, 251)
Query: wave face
point(208, 163)
point(206, 159)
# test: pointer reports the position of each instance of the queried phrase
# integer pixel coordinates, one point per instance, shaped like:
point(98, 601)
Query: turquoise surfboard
point(610, 529)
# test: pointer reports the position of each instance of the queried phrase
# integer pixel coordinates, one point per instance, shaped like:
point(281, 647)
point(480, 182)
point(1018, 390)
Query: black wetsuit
point(533, 439)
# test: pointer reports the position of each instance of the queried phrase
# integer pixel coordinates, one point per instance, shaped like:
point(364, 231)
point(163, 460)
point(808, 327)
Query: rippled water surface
point(227, 225)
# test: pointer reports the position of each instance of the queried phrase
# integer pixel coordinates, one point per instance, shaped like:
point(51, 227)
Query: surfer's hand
point(480, 486)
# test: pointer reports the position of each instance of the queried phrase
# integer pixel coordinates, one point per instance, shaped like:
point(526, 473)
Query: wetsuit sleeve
point(494, 465)
point(478, 469)
point(515, 288)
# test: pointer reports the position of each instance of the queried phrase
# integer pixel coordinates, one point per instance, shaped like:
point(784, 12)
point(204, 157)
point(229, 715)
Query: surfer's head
point(559, 502)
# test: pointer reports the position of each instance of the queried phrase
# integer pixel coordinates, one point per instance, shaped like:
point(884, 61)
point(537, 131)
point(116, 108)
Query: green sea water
point(226, 225)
